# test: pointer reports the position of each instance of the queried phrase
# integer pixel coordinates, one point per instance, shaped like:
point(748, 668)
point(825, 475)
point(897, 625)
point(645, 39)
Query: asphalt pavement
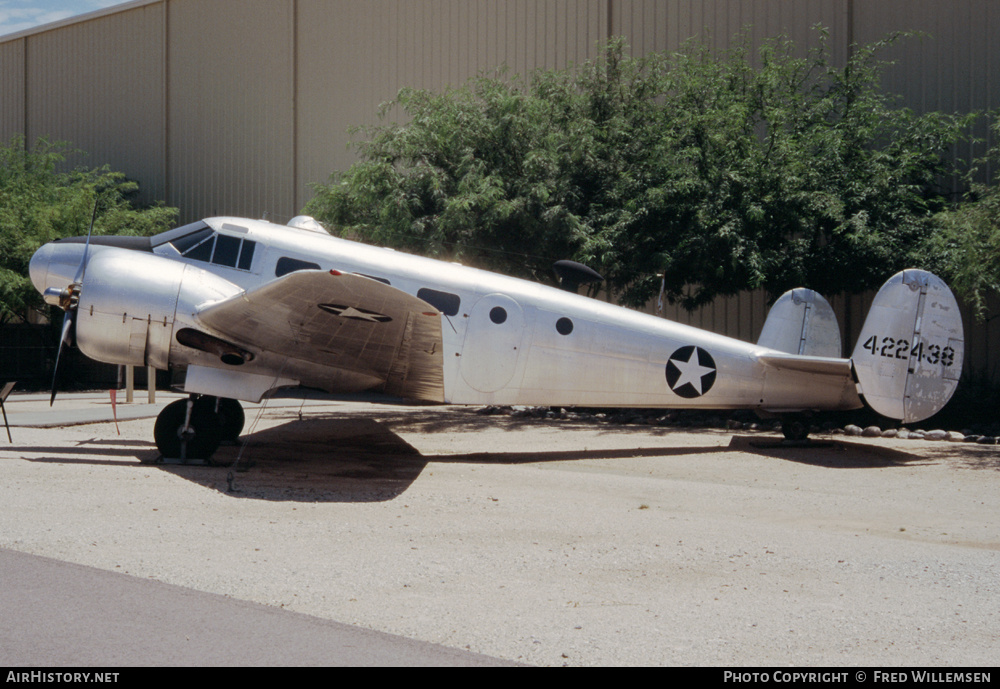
point(61, 614)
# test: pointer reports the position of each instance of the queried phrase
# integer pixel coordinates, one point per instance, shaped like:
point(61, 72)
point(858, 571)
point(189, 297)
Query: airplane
point(243, 308)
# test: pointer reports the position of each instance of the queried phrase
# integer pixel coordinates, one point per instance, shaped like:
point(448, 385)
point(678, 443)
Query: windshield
point(199, 242)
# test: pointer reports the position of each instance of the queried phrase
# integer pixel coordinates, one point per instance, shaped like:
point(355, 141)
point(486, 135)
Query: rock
point(889, 433)
point(955, 437)
point(871, 432)
point(936, 435)
point(851, 429)
point(987, 440)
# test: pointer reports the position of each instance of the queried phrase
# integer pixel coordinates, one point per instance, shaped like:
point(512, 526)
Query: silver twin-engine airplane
point(245, 307)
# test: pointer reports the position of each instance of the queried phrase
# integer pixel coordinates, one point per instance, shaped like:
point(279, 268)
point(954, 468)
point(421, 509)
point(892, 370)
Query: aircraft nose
point(38, 267)
point(55, 265)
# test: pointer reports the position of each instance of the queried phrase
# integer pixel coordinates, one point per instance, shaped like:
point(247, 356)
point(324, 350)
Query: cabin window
point(498, 315)
point(445, 302)
point(564, 326)
point(288, 265)
point(246, 254)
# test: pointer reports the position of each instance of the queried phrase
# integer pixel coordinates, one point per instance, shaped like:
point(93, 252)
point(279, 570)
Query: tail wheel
point(178, 436)
point(795, 428)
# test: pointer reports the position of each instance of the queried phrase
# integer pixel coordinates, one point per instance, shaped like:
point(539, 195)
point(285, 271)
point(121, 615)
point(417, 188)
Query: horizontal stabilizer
point(823, 366)
point(908, 358)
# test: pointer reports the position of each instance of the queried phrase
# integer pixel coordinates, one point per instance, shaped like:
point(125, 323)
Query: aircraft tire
point(231, 419)
point(795, 429)
point(205, 431)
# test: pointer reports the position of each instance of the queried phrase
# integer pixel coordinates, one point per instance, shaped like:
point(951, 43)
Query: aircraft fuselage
point(503, 340)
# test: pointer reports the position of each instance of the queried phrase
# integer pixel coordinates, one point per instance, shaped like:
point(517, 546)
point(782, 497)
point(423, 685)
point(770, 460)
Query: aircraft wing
point(341, 320)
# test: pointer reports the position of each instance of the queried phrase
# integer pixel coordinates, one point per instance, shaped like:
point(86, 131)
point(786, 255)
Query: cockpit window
point(227, 250)
point(205, 244)
point(189, 241)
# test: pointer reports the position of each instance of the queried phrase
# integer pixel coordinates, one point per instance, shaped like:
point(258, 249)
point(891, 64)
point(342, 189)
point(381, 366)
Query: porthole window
point(498, 314)
point(564, 326)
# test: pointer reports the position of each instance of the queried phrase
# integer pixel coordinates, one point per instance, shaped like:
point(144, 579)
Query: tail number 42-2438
point(893, 348)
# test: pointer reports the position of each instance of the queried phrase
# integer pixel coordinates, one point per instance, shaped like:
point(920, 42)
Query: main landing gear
point(194, 428)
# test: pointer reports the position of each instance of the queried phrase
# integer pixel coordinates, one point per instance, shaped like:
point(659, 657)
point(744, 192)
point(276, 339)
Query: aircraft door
point(492, 342)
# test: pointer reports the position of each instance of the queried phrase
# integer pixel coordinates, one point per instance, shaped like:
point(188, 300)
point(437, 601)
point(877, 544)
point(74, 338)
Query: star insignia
point(354, 313)
point(691, 371)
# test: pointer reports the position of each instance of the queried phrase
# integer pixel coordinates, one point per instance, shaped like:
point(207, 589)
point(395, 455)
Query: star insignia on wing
point(691, 371)
point(355, 313)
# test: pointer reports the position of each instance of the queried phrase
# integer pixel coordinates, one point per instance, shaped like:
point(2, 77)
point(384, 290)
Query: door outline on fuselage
point(493, 342)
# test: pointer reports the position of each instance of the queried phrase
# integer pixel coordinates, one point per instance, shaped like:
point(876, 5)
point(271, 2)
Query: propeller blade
point(82, 270)
point(64, 340)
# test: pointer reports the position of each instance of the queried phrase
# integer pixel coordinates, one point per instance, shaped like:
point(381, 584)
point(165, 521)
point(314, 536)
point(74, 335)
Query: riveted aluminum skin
point(129, 301)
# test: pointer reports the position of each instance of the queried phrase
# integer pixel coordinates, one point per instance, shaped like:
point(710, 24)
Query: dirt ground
point(545, 542)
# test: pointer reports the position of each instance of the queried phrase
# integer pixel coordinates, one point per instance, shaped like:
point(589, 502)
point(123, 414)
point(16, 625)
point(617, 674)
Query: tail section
point(908, 358)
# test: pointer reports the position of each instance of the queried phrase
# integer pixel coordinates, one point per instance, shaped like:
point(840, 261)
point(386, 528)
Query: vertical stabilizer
point(908, 358)
point(802, 322)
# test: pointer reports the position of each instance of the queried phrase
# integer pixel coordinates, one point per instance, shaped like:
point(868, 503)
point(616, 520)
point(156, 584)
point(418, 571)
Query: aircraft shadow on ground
point(830, 453)
point(346, 458)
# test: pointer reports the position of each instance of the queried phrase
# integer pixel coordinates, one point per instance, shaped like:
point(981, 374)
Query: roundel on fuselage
point(691, 371)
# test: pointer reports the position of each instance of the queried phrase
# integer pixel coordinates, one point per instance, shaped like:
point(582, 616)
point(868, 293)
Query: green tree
point(966, 247)
point(792, 171)
point(720, 172)
point(39, 202)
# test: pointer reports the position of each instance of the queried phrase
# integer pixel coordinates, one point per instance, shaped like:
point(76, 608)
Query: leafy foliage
point(718, 172)
point(39, 203)
point(966, 248)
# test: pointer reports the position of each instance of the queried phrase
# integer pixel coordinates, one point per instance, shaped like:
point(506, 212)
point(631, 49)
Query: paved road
point(61, 614)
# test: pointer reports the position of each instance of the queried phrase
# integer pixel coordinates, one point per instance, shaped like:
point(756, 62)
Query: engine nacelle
point(129, 304)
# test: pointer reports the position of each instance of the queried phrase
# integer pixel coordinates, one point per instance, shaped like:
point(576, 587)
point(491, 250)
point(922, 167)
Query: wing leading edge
point(342, 321)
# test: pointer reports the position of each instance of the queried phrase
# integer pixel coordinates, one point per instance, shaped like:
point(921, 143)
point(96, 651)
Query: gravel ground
point(543, 541)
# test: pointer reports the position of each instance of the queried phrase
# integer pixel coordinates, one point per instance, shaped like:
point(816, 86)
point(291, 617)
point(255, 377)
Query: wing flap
point(343, 321)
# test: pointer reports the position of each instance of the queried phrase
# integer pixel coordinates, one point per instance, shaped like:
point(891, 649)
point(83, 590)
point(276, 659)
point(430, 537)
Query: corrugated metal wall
point(353, 56)
point(230, 111)
point(99, 85)
point(236, 106)
point(12, 88)
point(653, 25)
